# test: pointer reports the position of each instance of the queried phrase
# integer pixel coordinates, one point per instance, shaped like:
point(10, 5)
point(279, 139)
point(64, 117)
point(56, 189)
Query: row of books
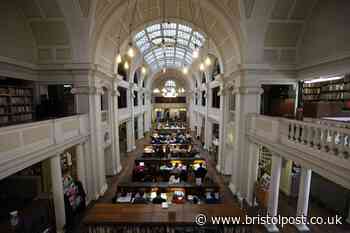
point(13, 91)
point(21, 100)
point(21, 118)
point(15, 100)
point(16, 109)
point(336, 87)
point(327, 96)
point(4, 120)
point(15, 118)
point(335, 96)
point(20, 92)
point(312, 91)
point(3, 100)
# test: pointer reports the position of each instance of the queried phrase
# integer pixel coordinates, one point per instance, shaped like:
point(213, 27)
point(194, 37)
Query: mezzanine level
point(26, 144)
point(323, 146)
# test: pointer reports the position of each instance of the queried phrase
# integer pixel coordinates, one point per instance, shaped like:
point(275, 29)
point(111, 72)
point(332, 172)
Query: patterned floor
point(287, 206)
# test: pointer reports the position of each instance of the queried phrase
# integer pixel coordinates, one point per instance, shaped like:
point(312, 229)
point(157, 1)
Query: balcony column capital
point(87, 90)
point(248, 90)
point(115, 93)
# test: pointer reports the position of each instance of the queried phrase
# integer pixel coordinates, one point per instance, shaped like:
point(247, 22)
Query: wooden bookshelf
point(16, 105)
point(337, 90)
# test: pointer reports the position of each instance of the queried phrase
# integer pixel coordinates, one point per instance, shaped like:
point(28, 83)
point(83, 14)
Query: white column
point(57, 190)
point(115, 129)
point(224, 154)
point(90, 179)
point(272, 208)
point(247, 102)
point(130, 135)
point(208, 133)
point(207, 127)
point(303, 197)
point(88, 101)
point(140, 126)
point(97, 139)
point(252, 173)
point(81, 164)
point(148, 113)
point(199, 124)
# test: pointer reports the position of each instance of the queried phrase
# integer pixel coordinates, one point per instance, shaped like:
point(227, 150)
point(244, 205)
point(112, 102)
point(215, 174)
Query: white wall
point(327, 33)
point(16, 40)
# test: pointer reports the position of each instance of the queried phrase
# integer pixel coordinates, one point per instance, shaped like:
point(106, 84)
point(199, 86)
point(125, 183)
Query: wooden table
point(114, 214)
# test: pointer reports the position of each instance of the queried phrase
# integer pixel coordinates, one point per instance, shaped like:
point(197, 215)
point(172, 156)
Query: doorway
point(278, 100)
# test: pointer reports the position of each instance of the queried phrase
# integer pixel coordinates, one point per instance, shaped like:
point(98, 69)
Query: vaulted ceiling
point(113, 19)
point(47, 23)
point(269, 32)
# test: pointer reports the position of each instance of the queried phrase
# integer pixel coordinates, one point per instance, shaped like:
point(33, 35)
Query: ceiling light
point(143, 70)
point(126, 65)
point(131, 52)
point(156, 91)
point(185, 70)
point(324, 79)
point(195, 53)
point(118, 59)
point(164, 70)
point(201, 67)
point(207, 61)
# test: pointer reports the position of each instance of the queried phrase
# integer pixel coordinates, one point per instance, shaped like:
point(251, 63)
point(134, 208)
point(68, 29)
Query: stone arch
point(225, 34)
point(175, 74)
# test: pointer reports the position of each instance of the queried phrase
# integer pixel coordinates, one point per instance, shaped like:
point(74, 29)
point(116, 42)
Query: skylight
point(168, 45)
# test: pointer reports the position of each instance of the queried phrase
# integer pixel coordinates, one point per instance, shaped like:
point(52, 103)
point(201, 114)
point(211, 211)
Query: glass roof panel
point(179, 40)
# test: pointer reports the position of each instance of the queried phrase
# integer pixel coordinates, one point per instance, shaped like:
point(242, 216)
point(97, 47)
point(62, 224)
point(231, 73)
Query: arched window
point(104, 99)
point(168, 44)
point(216, 69)
point(123, 70)
point(203, 78)
point(170, 84)
point(137, 76)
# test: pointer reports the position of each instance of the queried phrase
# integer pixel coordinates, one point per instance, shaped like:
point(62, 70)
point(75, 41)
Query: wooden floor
point(287, 206)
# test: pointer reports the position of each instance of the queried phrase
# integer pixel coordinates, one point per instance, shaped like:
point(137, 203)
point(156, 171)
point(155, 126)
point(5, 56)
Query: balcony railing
point(24, 144)
point(333, 140)
point(322, 145)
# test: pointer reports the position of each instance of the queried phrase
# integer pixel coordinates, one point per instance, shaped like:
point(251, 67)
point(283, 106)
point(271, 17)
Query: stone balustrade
point(321, 145)
point(25, 144)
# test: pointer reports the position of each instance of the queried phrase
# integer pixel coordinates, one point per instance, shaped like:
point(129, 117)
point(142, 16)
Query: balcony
point(324, 146)
point(25, 144)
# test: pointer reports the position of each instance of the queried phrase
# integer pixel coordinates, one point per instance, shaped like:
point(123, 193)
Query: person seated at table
point(167, 150)
point(155, 140)
point(167, 166)
point(179, 197)
point(184, 173)
point(200, 172)
point(174, 179)
point(158, 199)
point(212, 198)
point(139, 172)
point(158, 151)
point(139, 198)
point(177, 169)
point(172, 140)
